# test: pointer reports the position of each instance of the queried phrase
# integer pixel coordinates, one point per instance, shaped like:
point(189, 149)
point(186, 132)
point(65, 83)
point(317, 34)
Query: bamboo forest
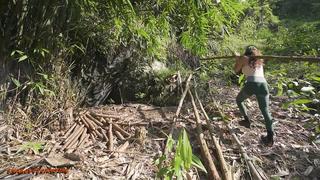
point(160, 89)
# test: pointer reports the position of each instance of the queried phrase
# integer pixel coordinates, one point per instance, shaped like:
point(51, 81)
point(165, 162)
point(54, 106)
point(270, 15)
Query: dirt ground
point(293, 155)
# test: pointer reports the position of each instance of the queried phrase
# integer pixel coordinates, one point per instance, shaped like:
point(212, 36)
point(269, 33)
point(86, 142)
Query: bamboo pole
point(252, 168)
point(226, 173)
point(182, 98)
point(268, 57)
point(179, 109)
point(82, 142)
point(118, 128)
point(110, 137)
point(203, 145)
point(70, 130)
point(74, 136)
point(96, 121)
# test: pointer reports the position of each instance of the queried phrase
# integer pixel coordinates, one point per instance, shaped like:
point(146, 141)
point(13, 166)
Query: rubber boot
point(268, 139)
point(246, 122)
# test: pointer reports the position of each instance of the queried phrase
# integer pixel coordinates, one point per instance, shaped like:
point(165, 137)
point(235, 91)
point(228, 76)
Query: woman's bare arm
point(239, 63)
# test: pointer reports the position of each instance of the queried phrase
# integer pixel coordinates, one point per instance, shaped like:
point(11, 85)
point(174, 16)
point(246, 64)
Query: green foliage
point(36, 147)
point(241, 80)
point(183, 159)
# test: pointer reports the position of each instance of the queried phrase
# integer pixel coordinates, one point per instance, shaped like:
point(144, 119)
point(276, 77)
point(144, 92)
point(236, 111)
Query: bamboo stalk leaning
point(226, 173)
point(213, 173)
point(179, 108)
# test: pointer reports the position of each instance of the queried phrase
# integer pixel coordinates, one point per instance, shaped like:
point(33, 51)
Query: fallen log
point(211, 168)
point(226, 173)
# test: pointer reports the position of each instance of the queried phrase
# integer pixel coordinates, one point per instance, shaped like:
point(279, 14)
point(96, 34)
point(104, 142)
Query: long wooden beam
point(268, 57)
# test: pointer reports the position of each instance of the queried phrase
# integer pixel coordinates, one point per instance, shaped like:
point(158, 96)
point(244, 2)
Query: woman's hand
point(236, 53)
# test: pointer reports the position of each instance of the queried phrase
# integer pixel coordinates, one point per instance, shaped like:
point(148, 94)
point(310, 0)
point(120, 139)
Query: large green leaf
point(177, 164)
point(297, 102)
point(184, 149)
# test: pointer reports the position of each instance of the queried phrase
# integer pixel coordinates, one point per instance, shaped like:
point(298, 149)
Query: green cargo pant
point(260, 89)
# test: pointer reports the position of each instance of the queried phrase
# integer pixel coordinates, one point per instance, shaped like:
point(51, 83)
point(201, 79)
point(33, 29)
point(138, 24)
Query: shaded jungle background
point(60, 54)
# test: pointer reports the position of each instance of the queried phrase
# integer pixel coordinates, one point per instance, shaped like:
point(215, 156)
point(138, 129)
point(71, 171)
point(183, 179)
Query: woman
point(256, 84)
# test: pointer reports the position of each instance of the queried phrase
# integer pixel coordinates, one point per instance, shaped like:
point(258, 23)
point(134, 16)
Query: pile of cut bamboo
point(90, 126)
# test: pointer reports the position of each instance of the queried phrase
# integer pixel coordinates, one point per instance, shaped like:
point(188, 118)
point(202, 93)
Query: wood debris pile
point(90, 126)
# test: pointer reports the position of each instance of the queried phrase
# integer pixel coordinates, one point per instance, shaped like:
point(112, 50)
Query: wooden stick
point(75, 135)
point(212, 170)
point(182, 98)
point(267, 57)
point(99, 134)
point(102, 120)
point(122, 148)
point(252, 168)
point(179, 109)
point(83, 135)
point(118, 128)
point(85, 122)
point(119, 135)
point(226, 173)
point(70, 130)
point(94, 120)
point(75, 141)
point(94, 133)
point(110, 137)
point(104, 133)
point(92, 137)
point(82, 142)
point(105, 115)
point(90, 123)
